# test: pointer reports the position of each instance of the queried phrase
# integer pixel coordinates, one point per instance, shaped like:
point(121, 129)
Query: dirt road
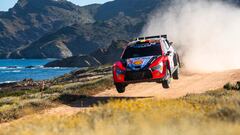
point(188, 83)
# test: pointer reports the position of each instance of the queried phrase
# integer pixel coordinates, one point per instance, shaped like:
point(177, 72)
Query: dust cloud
point(207, 33)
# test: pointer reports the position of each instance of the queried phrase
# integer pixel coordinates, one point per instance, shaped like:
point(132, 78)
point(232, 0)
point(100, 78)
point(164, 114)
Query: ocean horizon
point(15, 70)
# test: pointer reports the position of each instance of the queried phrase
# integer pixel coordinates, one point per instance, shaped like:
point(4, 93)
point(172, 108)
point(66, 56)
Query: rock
point(28, 80)
point(29, 67)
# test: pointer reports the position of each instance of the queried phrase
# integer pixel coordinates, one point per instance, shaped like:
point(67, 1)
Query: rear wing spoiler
point(151, 37)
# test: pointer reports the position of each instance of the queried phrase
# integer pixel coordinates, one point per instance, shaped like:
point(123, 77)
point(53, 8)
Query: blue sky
point(6, 4)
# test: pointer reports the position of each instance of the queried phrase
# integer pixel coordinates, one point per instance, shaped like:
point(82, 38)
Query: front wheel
point(120, 88)
point(166, 82)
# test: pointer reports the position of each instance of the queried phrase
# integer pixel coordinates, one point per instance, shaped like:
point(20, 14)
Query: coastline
point(16, 70)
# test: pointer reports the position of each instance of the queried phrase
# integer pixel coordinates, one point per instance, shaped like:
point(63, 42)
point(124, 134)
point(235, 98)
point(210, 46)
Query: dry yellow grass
point(215, 112)
point(17, 104)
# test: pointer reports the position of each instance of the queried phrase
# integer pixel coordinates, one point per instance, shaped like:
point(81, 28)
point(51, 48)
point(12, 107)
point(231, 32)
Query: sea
point(14, 70)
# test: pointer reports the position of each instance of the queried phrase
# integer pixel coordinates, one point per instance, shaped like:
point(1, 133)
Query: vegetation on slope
point(17, 103)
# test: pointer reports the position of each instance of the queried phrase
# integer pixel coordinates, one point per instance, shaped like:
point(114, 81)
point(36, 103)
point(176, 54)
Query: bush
point(230, 86)
point(238, 85)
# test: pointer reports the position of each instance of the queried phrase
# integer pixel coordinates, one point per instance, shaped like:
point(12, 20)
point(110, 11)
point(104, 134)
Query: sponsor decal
point(138, 62)
point(135, 63)
point(129, 61)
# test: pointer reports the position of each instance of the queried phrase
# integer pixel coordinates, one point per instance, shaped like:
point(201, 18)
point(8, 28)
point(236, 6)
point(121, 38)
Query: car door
point(170, 51)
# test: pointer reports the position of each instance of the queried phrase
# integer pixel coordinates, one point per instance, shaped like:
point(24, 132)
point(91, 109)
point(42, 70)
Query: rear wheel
point(176, 74)
point(120, 88)
point(166, 82)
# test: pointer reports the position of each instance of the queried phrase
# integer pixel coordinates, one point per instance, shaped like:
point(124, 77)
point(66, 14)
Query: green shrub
point(238, 85)
point(230, 86)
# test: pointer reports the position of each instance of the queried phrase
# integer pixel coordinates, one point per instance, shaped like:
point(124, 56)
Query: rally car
point(147, 59)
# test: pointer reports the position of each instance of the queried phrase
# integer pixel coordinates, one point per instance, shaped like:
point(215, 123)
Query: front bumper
point(160, 80)
point(130, 77)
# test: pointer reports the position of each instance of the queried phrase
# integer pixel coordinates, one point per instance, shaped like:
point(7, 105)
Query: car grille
point(138, 75)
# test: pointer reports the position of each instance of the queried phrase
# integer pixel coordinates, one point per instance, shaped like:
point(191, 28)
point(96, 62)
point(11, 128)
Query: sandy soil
point(188, 83)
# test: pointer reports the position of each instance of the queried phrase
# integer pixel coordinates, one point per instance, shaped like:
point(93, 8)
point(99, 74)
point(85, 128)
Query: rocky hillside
point(29, 20)
point(131, 8)
point(97, 58)
point(80, 39)
point(60, 29)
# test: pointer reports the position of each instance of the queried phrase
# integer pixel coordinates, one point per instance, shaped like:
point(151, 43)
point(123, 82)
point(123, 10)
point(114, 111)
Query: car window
point(142, 50)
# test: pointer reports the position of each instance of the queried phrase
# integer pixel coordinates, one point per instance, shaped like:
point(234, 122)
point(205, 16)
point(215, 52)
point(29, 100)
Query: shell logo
point(138, 62)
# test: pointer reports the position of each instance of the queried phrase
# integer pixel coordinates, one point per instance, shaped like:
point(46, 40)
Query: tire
point(167, 81)
point(179, 62)
point(175, 60)
point(120, 88)
point(176, 74)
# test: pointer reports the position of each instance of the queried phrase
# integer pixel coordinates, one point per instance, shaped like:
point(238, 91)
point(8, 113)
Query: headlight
point(159, 67)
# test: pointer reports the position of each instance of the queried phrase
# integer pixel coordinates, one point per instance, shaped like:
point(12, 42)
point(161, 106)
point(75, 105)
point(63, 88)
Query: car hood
point(139, 63)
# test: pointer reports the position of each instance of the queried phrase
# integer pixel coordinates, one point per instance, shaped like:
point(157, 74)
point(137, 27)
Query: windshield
point(142, 50)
